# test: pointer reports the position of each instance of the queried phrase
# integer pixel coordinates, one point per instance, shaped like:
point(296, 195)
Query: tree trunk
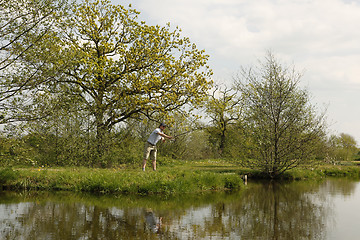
point(101, 136)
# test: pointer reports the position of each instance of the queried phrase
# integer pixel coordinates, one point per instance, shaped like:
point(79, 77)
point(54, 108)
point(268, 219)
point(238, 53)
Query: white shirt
point(154, 136)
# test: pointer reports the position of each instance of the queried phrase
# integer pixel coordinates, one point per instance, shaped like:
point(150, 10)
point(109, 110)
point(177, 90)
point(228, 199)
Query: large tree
point(122, 68)
point(284, 128)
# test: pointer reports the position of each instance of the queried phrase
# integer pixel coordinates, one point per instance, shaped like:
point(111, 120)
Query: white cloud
point(319, 36)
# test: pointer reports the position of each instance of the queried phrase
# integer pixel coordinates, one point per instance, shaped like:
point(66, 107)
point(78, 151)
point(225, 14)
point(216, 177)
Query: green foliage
point(7, 175)
point(301, 174)
point(25, 26)
point(125, 149)
point(342, 171)
point(14, 151)
point(341, 148)
point(357, 157)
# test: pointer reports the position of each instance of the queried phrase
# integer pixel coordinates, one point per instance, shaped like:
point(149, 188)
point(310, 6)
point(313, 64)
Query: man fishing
point(150, 145)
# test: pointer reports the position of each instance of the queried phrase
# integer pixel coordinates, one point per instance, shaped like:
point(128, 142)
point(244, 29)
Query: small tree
point(223, 107)
point(283, 127)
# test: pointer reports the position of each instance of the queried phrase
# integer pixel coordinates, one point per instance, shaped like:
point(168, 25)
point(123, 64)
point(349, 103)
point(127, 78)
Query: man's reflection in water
point(153, 223)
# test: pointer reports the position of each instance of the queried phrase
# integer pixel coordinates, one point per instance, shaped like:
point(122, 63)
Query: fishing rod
point(186, 132)
point(183, 133)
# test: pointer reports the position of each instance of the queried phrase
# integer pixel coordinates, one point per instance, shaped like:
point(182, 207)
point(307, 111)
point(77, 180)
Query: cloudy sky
point(321, 38)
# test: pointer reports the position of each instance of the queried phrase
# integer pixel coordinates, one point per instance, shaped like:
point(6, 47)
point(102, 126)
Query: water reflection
point(280, 211)
point(153, 223)
point(269, 210)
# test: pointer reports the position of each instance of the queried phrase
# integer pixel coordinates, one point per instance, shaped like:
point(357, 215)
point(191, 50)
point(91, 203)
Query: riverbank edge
point(112, 181)
point(171, 180)
point(319, 172)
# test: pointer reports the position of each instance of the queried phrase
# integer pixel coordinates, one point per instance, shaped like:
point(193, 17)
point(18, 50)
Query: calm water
point(300, 210)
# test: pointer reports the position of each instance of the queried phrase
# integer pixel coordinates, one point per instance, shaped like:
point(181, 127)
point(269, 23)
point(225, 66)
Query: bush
point(7, 175)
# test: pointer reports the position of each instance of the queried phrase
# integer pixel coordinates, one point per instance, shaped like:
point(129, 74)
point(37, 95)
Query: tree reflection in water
point(280, 211)
point(270, 210)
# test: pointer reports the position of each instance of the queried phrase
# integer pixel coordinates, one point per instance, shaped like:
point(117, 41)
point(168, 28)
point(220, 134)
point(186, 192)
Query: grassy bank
point(171, 178)
point(118, 181)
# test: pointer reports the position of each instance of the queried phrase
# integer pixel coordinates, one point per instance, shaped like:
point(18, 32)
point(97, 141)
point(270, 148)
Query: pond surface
point(299, 210)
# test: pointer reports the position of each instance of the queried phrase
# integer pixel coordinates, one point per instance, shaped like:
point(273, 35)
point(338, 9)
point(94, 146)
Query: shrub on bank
point(342, 171)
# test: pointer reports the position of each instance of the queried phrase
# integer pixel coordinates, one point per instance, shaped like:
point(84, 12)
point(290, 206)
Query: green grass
point(175, 178)
point(134, 181)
